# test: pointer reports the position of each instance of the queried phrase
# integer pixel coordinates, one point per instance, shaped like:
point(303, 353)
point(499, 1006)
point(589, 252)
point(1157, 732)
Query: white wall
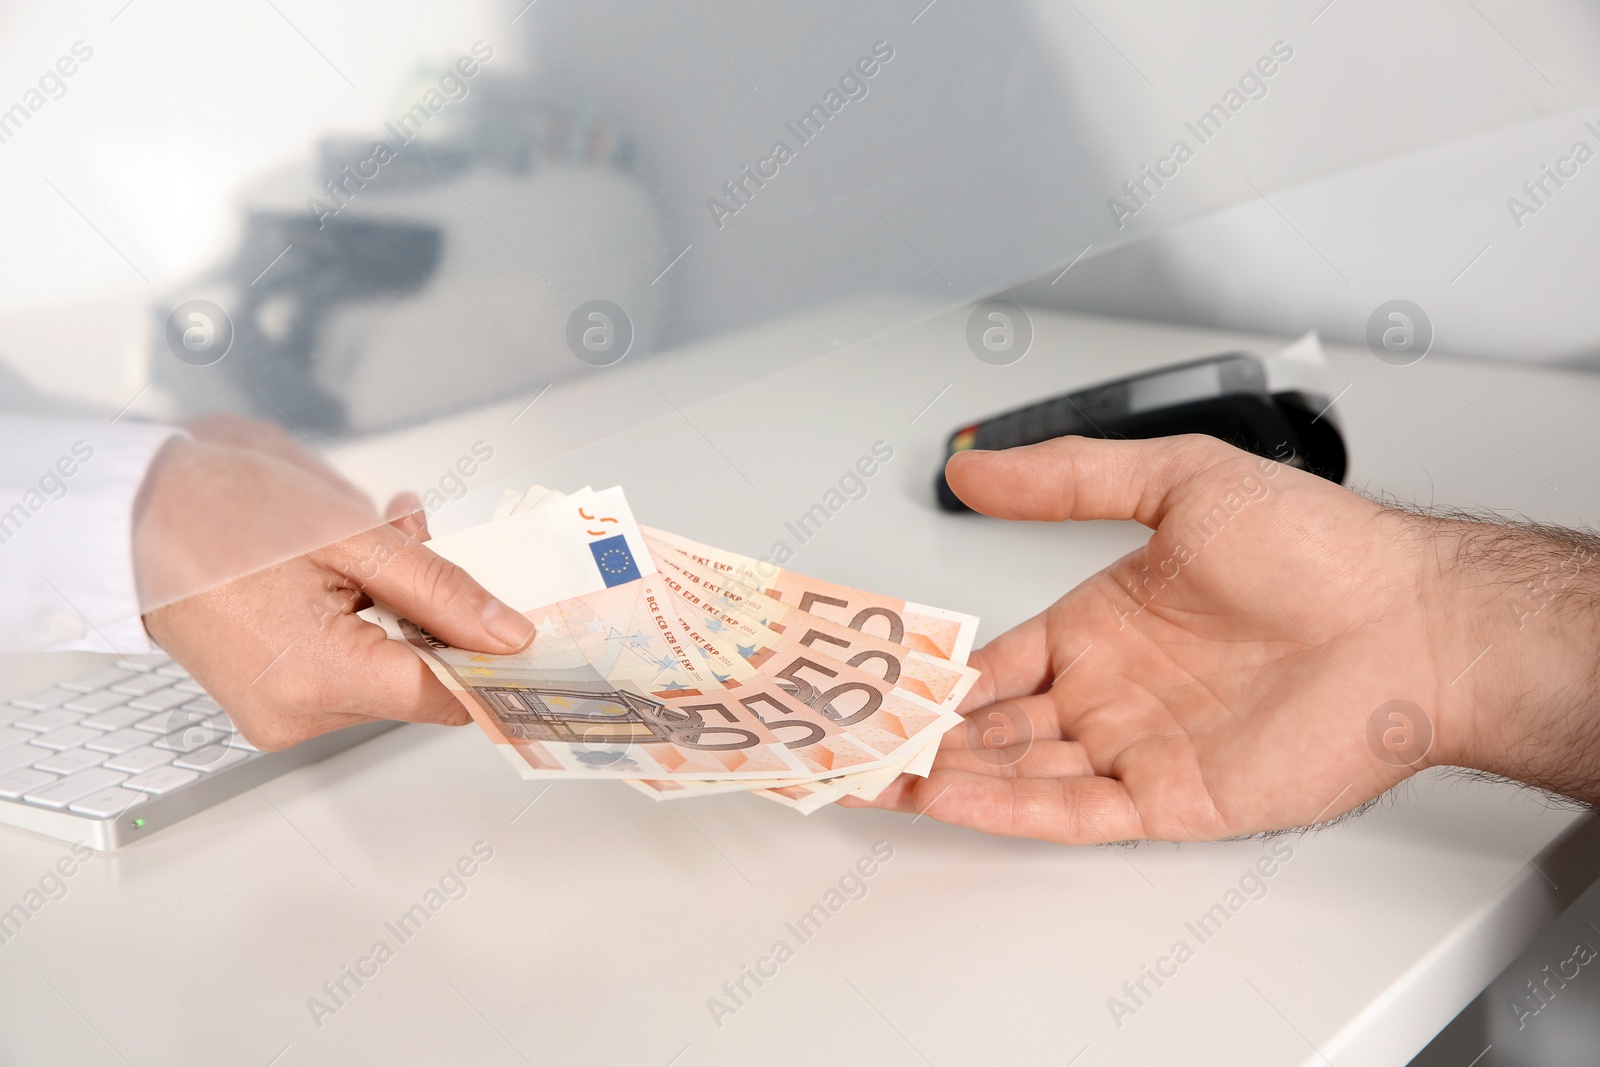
point(1408, 227)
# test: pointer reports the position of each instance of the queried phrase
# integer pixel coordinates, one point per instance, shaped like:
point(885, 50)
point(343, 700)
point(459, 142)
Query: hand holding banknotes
point(258, 556)
point(1243, 671)
point(685, 670)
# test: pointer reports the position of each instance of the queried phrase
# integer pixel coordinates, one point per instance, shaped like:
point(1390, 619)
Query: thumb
point(399, 571)
point(406, 514)
point(1085, 478)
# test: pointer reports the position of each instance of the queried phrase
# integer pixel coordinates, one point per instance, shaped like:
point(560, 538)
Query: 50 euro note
point(513, 502)
point(614, 686)
point(807, 796)
point(727, 614)
point(753, 614)
point(868, 723)
point(632, 679)
point(938, 632)
point(878, 725)
point(610, 688)
point(810, 795)
point(752, 618)
point(758, 630)
point(564, 548)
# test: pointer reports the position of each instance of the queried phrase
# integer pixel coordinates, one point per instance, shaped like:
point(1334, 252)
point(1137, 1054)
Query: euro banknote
point(687, 670)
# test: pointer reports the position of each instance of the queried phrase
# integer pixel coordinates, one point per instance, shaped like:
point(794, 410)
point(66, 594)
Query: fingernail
point(509, 625)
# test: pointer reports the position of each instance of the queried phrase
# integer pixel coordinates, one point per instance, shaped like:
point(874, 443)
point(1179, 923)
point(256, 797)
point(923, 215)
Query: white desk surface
point(604, 922)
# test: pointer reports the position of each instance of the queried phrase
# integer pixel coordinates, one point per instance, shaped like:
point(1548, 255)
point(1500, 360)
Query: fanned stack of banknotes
point(686, 670)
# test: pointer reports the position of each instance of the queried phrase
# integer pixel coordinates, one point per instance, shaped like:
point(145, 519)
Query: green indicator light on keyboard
point(138, 823)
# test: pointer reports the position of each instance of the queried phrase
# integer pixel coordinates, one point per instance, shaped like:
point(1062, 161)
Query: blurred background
point(392, 237)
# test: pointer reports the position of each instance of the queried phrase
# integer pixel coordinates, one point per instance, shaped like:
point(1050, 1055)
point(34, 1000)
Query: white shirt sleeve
point(67, 489)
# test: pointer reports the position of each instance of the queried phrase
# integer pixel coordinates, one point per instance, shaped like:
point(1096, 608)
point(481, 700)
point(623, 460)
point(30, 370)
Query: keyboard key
point(107, 804)
point(175, 672)
point(44, 721)
point(73, 759)
point(115, 719)
point(15, 783)
point(44, 701)
point(98, 680)
point(191, 686)
point(140, 684)
point(205, 704)
point(237, 740)
point(160, 700)
point(143, 663)
point(168, 721)
point(67, 737)
point(19, 756)
point(117, 741)
point(190, 738)
point(91, 703)
point(9, 714)
point(64, 791)
point(139, 760)
point(10, 735)
point(211, 758)
point(161, 780)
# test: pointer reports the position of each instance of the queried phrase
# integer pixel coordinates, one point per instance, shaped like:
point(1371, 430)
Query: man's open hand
point(1281, 651)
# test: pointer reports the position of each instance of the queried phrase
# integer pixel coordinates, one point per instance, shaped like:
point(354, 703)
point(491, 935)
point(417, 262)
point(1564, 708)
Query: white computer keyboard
point(114, 755)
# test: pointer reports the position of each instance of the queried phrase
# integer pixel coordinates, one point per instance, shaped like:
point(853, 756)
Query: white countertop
point(604, 922)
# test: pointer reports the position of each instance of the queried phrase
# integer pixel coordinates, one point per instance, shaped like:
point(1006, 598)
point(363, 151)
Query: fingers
point(1010, 722)
point(350, 674)
point(1027, 661)
point(354, 674)
point(271, 733)
point(398, 687)
point(414, 694)
point(405, 513)
point(1083, 478)
point(1015, 664)
point(1032, 759)
point(430, 591)
point(1071, 811)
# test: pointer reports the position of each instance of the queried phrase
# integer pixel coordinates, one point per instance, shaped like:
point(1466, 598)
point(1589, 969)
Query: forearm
point(1516, 611)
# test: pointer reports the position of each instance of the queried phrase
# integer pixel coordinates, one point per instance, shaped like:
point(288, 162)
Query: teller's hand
point(259, 556)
